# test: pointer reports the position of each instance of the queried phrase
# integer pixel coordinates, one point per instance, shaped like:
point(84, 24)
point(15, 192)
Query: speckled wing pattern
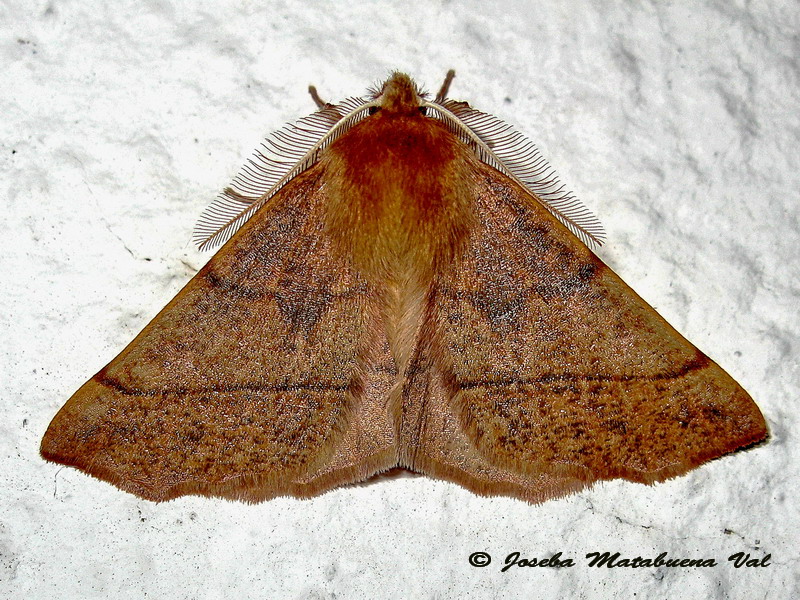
point(401, 302)
point(542, 372)
point(263, 377)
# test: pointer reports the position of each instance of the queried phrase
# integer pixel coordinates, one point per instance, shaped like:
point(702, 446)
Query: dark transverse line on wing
point(111, 382)
point(698, 363)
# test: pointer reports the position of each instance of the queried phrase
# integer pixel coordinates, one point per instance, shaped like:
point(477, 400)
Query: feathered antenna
point(498, 145)
point(283, 155)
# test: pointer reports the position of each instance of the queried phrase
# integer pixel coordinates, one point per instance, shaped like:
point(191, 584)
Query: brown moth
point(402, 286)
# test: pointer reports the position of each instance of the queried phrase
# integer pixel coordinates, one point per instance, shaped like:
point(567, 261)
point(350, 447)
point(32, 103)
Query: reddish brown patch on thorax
point(399, 189)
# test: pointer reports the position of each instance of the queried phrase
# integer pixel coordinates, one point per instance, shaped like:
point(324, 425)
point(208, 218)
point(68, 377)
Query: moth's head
point(399, 94)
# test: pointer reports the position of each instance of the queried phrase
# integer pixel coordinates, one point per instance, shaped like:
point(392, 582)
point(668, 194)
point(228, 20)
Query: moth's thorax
point(399, 186)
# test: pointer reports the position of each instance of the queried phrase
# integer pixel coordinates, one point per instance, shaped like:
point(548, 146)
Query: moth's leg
point(317, 100)
point(448, 79)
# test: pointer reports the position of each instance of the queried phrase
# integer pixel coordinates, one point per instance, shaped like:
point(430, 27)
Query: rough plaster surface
point(677, 123)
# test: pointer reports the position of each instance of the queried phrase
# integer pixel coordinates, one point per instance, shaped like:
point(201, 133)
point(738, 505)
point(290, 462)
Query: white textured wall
point(677, 123)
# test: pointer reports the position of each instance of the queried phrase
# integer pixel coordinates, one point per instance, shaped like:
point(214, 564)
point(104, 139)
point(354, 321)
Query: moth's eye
point(423, 110)
point(374, 109)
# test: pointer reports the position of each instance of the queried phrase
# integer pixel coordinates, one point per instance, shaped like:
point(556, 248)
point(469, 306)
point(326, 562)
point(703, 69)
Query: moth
point(403, 283)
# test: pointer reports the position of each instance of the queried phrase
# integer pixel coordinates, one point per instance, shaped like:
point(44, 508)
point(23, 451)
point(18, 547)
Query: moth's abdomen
point(400, 196)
